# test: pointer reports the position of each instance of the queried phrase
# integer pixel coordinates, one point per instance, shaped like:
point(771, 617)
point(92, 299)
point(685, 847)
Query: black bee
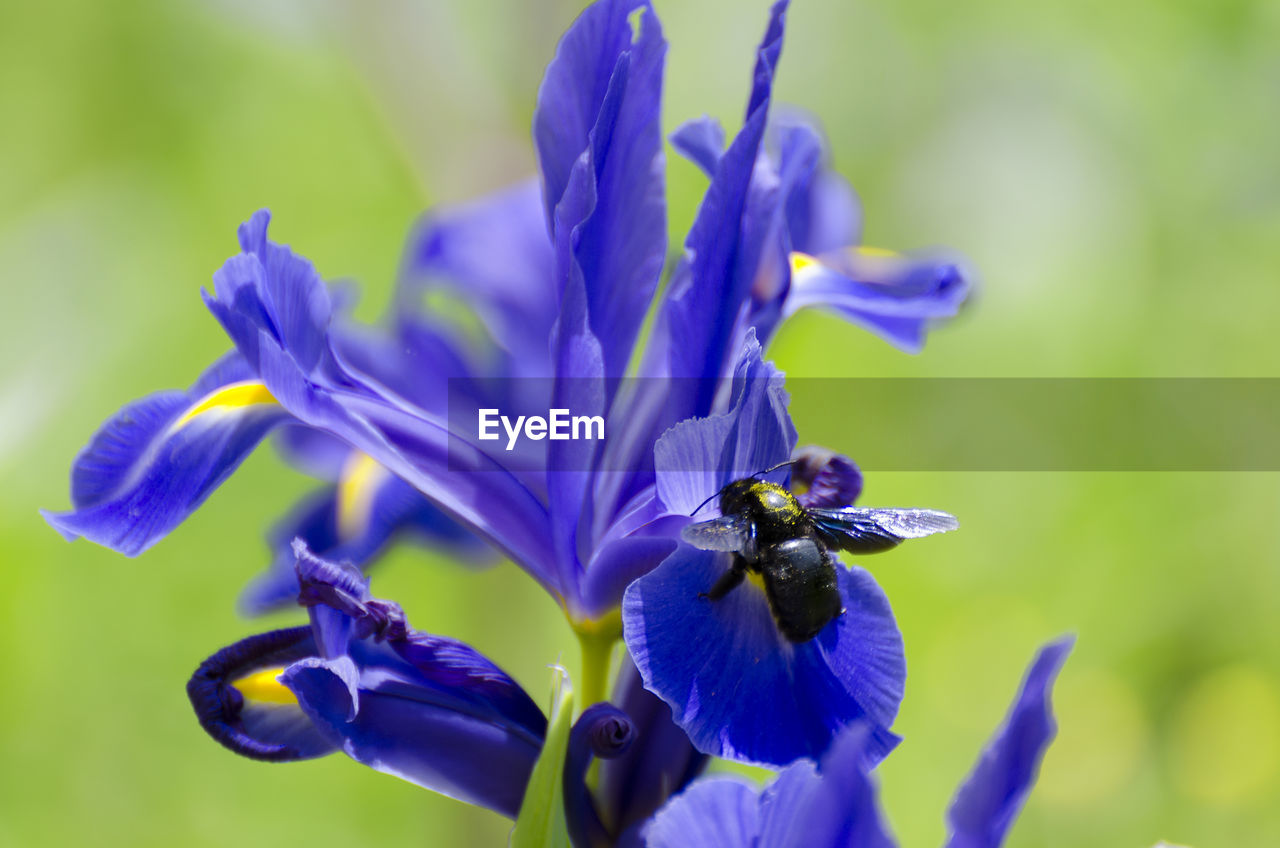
point(769, 533)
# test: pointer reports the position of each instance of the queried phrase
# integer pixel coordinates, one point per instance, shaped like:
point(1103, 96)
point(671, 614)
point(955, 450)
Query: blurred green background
point(1109, 167)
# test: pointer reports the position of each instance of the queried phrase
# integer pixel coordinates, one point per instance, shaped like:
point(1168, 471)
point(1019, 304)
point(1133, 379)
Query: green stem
point(597, 650)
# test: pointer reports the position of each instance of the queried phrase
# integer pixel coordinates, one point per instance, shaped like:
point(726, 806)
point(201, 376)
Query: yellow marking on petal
point(263, 686)
point(357, 487)
point(874, 252)
point(757, 578)
point(233, 396)
point(801, 261)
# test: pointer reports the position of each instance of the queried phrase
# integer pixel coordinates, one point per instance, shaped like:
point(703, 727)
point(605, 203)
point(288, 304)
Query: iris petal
point(722, 812)
point(896, 296)
point(991, 797)
point(159, 458)
point(255, 721)
point(709, 659)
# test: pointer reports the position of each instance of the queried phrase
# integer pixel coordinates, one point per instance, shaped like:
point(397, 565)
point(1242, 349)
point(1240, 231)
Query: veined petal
point(269, 288)
point(698, 457)
point(240, 702)
point(700, 320)
point(832, 804)
point(159, 458)
point(708, 658)
point(722, 812)
point(720, 262)
point(993, 794)
point(424, 708)
point(896, 296)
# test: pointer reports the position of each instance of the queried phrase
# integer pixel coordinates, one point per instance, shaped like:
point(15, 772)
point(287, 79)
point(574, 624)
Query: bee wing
point(727, 533)
point(866, 530)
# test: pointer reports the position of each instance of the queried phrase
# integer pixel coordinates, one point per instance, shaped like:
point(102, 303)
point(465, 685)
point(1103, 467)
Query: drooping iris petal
point(159, 458)
point(420, 723)
point(993, 794)
point(240, 702)
point(424, 708)
point(896, 296)
point(738, 687)
point(831, 804)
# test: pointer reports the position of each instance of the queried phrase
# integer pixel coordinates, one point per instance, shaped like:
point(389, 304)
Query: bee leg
point(728, 581)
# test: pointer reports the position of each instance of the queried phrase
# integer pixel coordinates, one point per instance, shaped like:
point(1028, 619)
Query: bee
point(772, 535)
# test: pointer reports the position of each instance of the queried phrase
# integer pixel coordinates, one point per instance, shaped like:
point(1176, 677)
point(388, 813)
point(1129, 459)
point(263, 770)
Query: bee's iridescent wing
point(732, 533)
point(868, 530)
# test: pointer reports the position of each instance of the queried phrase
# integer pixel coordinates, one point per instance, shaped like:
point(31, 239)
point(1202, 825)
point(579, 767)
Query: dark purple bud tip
point(828, 479)
point(381, 620)
point(610, 731)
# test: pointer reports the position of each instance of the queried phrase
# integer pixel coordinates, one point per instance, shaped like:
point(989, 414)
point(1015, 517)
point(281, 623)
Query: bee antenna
point(776, 467)
point(707, 501)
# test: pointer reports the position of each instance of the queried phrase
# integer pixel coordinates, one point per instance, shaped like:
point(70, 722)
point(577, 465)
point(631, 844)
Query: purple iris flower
point(832, 801)
point(561, 276)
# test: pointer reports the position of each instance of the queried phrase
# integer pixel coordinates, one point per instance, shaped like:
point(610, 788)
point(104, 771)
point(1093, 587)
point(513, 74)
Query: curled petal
point(241, 704)
point(829, 479)
point(602, 731)
point(708, 659)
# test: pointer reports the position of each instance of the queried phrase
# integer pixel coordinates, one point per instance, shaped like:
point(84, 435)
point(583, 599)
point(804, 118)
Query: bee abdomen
point(800, 582)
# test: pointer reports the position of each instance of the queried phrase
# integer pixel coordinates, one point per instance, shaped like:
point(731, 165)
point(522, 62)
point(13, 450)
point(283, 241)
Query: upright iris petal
point(991, 797)
point(832, 803)
point(737, 686)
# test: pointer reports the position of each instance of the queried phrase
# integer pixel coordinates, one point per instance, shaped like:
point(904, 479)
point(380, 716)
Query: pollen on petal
point(227, 398)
